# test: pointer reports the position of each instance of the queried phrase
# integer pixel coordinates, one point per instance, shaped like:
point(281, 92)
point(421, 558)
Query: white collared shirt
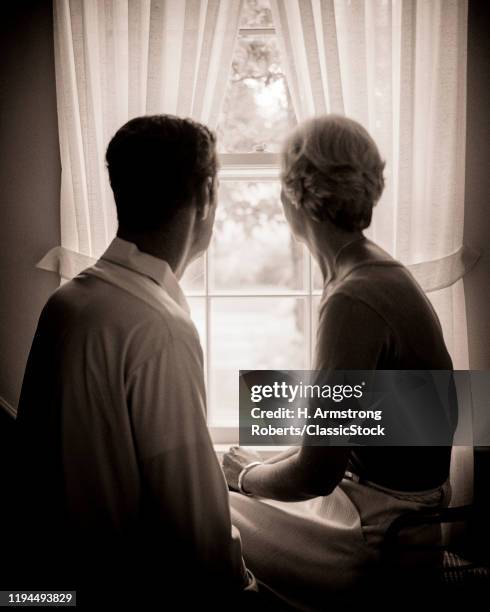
point(118, 363)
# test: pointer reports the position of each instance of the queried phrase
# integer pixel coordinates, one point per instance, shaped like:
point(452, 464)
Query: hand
point(234, 461)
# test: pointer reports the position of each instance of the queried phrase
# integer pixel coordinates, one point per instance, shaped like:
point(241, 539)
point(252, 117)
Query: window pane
point(256, 14)
point(252, 248)
point(193, 279)
point(257, 111)
point(251, 333)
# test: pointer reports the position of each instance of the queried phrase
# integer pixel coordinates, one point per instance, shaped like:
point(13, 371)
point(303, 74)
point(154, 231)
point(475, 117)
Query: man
point(119, 475)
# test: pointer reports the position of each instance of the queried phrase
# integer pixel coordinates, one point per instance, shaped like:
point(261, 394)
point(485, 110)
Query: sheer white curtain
point(399, 68)
point(115, 60)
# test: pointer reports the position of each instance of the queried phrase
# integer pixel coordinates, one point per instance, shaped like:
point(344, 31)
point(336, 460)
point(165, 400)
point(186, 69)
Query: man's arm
point(180, 472)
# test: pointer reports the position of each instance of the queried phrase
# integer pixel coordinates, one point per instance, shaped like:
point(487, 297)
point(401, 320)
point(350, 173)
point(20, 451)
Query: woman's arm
point(351, 336)
point(309, 472)
point(289, 452)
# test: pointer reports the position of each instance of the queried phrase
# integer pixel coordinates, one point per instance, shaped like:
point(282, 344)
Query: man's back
point(112, 428)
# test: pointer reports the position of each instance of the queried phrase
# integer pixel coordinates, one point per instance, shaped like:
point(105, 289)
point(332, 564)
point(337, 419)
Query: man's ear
point(208, 197)
point(204, 211)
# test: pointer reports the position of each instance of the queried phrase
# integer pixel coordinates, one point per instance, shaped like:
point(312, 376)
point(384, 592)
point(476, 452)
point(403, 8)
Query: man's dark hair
point(156, 165)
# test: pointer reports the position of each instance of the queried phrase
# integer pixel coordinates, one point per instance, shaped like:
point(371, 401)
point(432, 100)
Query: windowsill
point(220, 449)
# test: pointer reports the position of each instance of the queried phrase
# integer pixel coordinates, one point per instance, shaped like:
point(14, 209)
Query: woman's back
point(374, 316)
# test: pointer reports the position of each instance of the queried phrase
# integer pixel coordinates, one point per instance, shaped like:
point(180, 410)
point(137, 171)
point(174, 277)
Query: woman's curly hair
point(331, 167)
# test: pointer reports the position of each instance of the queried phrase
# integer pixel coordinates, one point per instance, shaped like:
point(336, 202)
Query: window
point(255, 294)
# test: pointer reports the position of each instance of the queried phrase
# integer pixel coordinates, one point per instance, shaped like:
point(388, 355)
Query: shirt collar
point(126, 254)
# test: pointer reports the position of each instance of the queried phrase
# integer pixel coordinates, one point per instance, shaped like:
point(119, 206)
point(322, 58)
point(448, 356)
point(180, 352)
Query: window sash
point(250, 167)
point(257, 31)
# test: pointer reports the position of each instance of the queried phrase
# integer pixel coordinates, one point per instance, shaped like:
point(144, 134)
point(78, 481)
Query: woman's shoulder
point(349, 308)
point(380, 283)
point(375, 293)
point(370, 282)
point(385, 301)
point(351, 334)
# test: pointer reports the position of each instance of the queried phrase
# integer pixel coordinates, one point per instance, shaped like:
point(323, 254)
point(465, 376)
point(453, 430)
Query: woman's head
point(331, 170)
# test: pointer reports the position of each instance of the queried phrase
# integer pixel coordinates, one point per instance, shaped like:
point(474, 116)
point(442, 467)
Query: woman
point(313, 518)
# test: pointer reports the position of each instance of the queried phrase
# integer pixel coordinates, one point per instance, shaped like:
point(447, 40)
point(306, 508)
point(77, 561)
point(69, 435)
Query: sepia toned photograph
point(245, 304)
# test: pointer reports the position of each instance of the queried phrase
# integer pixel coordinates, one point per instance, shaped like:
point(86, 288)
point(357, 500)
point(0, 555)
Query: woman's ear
point(285, 199)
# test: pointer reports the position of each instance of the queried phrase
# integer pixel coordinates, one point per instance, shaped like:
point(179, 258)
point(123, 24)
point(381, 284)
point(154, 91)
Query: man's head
point(162, 171)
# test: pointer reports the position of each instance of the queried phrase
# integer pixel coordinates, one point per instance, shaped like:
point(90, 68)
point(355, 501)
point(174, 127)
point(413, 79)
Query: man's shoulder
point(88, 303)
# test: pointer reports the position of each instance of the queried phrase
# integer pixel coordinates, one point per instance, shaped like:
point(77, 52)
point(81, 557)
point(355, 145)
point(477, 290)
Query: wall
point(477, 195)
point(477, 233)
point(29, 180)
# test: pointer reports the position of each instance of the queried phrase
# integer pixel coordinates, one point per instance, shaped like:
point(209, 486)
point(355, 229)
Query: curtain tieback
point(431, 275)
